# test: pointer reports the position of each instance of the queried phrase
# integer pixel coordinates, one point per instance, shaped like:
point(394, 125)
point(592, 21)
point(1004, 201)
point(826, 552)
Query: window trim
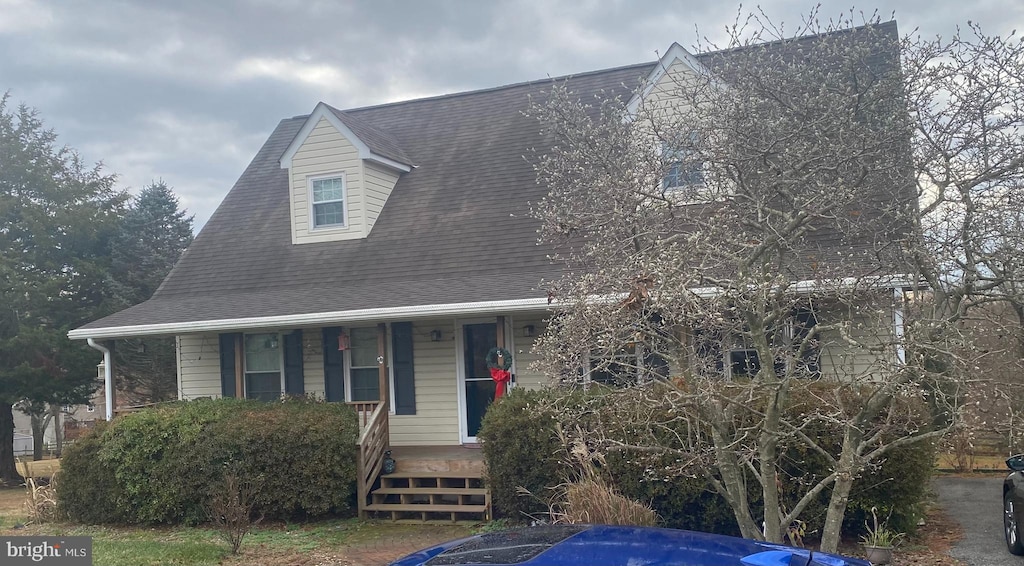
point(280, 363)
point(348, 367)
point(311, 206)
point(676, 158)
point(637, 367)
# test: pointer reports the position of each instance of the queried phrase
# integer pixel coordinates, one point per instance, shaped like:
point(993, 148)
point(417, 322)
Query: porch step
point(434, 474)
point(431, 496)
point(431, 491)
point(421, 508)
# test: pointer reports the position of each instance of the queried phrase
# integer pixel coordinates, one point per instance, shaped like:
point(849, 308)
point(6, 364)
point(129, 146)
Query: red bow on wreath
point(499, 361)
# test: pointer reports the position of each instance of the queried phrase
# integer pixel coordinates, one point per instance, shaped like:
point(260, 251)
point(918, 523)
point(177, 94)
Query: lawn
point(348, 542)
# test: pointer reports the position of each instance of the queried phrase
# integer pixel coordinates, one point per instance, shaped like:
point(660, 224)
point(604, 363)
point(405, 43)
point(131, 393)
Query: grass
point(341, 541)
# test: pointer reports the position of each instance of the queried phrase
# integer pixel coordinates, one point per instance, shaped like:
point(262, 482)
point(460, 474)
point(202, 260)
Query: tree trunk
point(9, 475)
point(846, 467)
point(39, 423)
point(731, 471)
point(58, 429)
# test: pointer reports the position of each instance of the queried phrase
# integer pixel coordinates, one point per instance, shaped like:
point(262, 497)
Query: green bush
point(519, 438)
point(522, 448)
point(163, 464)
point(85, 485)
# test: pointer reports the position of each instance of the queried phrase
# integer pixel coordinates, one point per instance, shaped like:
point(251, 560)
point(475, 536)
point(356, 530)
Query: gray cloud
point(187, 91)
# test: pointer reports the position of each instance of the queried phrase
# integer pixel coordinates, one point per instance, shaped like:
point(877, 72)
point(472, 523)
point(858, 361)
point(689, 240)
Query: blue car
point(602, 545)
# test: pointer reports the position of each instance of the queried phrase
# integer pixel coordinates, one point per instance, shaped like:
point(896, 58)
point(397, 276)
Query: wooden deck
point(432, 483)
point(438, 459)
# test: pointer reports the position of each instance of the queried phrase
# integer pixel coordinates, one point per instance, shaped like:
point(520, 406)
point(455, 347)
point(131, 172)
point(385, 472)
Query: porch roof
point(284, 308)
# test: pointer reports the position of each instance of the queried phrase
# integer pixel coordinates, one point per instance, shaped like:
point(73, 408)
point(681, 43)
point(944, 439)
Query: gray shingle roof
point(381, 143)
point(455, 229)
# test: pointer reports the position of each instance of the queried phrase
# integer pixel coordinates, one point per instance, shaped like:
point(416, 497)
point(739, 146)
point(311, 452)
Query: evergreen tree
point(57, 217)
point(153, 235)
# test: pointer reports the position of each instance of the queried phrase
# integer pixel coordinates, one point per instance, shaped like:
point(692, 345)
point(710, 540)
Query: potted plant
point(879, 540)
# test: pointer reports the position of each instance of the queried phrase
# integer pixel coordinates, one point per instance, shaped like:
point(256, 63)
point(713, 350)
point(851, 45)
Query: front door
point(477, 385)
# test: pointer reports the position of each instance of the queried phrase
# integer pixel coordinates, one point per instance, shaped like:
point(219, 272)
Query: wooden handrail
point(364, 410)
point(373, 442)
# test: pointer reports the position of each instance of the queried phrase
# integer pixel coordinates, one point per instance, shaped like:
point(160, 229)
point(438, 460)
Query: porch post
point(501, 332)
point(239, 369)
point(382, 364)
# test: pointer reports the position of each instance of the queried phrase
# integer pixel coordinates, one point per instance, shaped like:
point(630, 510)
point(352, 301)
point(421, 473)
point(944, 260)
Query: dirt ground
point(930, 547)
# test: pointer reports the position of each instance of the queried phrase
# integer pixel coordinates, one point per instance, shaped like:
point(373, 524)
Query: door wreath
point(499, 362)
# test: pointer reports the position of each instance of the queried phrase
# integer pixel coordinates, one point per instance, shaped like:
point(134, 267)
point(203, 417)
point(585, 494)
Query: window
point(327, 196)
point(810, 361)
point(735, 356)
point(363, 368)
point(619, 369)
point(685, 168)
point(263, 367)
point(630, 365)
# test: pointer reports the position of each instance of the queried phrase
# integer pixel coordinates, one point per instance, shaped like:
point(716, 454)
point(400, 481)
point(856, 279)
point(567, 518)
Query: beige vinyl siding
point(843, 360)
point(377, 187)
point(326, 152)
point(523, 353)
point(663, 96)
point(436, 421)
point(199, 366)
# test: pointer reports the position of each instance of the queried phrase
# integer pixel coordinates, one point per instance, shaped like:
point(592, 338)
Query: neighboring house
point(374, 256)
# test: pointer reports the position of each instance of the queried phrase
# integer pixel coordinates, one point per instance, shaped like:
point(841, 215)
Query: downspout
point(899, 328)
point(108, 377)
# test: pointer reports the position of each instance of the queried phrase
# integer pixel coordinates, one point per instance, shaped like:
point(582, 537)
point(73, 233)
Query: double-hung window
point(327, 201)
point(364, 381)
point(684, 166)
point(263, 357)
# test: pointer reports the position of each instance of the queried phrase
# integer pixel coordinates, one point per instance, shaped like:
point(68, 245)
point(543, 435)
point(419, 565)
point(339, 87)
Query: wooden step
point(459, 474)
point(427, 508)
point(431, 491)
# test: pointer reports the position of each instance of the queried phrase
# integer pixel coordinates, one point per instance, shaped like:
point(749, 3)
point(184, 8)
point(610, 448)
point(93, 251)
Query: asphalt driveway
point(977, 504)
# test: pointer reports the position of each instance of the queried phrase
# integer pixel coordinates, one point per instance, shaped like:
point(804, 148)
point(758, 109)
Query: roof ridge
point(890, 23)
point(500, 87)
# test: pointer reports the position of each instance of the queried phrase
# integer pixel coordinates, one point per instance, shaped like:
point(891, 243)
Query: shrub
point(163, 465)
point(87, 490)
point(519, 438)
point(522, 448)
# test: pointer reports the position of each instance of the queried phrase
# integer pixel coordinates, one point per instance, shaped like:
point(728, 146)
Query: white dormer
point(341, 171)
point(676, 65)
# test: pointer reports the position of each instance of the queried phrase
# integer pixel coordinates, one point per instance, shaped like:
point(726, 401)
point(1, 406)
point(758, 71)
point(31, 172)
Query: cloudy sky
point(187, 91)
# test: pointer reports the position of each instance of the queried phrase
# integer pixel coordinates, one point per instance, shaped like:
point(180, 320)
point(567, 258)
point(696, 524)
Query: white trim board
point(325, 112)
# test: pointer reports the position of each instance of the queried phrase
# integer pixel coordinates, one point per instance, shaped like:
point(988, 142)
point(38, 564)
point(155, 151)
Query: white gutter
point(426, 311)
point(313, 319)
point(108, 377)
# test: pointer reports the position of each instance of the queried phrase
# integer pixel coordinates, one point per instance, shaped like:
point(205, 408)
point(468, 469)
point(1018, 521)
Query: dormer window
point(327, 201)
point(685, 169)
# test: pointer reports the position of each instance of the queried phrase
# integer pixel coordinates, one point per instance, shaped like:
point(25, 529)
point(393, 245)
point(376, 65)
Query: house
point(375, 256)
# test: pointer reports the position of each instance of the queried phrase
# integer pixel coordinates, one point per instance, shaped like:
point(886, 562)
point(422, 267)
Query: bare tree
point(746, 233)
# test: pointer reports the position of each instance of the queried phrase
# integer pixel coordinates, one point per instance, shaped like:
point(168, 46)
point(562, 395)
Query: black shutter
point(405, 385)
point(334, 367)
point(227, 364)
point(293, 380)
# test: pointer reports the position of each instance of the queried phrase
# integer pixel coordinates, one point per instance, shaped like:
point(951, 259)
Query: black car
point(1013, 504)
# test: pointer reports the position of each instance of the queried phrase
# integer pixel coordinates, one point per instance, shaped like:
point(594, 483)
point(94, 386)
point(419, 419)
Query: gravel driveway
point(977, 504)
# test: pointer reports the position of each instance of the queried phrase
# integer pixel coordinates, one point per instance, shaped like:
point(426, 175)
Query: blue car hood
point(623, 546)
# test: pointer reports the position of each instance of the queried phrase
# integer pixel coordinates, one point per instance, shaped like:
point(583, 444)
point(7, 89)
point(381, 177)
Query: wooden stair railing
point(363, 409)
point(373, 441)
